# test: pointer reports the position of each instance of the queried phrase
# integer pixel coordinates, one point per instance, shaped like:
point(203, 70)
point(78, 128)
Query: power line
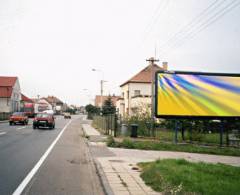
point(208, 24)
point(191, 23)
point(219, 14)
point(157, 18)
point(154, 15)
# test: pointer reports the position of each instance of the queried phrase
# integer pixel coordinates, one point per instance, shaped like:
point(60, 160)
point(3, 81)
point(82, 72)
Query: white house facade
point(10, 94)
point(136, 92)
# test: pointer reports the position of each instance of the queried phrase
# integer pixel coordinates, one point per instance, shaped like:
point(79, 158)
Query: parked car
point(67, 115)
point(18, 117)
point(44, 120)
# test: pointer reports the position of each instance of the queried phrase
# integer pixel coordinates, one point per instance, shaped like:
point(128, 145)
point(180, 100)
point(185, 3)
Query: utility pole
point(152, 60)
point(101, 83)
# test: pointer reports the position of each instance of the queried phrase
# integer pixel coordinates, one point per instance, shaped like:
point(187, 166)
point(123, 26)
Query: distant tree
point(108, 107)
point(71, 110)
point(92, 110)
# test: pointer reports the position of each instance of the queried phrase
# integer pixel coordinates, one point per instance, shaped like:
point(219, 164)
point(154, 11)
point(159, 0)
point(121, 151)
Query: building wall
point(120, 107)
point(141, 105)
point(144, 88)
point(16, 97)
point(5, 105)
point(12, 104)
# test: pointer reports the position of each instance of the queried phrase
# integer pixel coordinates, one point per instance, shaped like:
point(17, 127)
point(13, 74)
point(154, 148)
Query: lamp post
point(101, 84)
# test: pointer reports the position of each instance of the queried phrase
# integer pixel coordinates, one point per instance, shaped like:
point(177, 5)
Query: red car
point(44, 120)
point(18, 117)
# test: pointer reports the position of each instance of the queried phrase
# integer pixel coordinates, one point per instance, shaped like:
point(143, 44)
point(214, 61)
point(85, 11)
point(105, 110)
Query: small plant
point(128, 143)
point(110, 141)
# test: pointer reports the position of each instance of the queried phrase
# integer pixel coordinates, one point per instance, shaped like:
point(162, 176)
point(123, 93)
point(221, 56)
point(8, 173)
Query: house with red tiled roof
point(99, 99)
point(136, 91)
point(57, 104)
point(10, 94)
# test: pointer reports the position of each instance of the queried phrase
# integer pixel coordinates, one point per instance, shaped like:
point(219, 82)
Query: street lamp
point(101, 83)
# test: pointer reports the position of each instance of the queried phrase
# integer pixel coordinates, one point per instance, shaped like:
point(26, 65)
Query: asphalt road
point(21, 147)
point(69, 168)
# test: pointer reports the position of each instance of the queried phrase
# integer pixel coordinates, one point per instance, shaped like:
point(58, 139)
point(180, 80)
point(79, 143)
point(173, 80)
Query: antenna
point(155, 50)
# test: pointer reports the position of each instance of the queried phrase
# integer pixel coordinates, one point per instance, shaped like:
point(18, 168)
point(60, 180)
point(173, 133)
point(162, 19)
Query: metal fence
point(206, 134)
point(107, 124)
point(4, 116)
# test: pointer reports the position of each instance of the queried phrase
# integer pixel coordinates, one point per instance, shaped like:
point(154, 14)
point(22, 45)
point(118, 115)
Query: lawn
point(183, 177)
point(162, 146)
point(208, 138)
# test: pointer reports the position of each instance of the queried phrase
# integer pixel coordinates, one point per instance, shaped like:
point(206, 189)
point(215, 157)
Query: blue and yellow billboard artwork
point(185, 94)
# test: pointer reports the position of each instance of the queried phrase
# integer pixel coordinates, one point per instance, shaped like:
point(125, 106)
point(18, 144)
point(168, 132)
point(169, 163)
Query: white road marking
point(30, 175)
point(21, 128)
point(2, 133)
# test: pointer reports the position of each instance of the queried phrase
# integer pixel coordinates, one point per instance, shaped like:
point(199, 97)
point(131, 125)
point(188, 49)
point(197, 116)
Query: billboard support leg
point(183, 130)
point(176, 132)
point(221, 133)
point(191, 127)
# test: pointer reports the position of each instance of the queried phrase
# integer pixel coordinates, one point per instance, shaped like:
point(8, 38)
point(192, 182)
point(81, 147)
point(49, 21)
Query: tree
point(108, 107)
point(92, 110)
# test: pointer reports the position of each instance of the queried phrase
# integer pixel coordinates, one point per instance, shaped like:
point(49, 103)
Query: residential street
point(22, 147)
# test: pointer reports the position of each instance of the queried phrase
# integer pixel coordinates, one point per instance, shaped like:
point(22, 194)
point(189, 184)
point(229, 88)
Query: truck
point(28, 109)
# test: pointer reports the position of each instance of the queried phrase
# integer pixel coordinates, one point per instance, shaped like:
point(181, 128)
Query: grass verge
point(183, 177)
point(161, 146)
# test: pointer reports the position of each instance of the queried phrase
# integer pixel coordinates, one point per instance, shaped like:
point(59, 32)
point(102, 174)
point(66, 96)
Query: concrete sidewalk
point(148, 155)
point(119, 174)
point(121, 170)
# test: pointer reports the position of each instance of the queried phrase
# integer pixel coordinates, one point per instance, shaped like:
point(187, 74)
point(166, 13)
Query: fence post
point(115, 125)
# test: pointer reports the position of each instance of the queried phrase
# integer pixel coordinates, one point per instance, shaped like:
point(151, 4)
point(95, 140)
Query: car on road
point(67, 115)
point(44, 120)
point(18, 117)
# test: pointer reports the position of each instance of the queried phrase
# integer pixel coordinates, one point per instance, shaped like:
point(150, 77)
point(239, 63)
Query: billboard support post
point(191, 127)
point(221, 133)
point(176, 132)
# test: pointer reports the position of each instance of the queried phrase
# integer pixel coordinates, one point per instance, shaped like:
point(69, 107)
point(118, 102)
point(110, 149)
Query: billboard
point(197, 95)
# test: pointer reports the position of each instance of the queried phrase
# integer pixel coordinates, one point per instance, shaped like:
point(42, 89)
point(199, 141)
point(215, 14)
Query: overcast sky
point(52, 45)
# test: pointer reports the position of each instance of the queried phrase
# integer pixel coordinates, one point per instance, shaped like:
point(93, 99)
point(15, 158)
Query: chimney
point(165, 65)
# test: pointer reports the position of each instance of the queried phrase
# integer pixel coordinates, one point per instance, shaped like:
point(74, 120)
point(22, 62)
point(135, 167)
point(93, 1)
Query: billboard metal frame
point(191, 117)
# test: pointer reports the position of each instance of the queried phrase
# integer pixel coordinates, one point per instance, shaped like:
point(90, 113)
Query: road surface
point(21, 147)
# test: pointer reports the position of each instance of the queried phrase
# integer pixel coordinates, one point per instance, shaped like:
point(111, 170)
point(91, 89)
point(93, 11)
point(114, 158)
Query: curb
point(103, 180)
point(102, 177)
point(4, 121)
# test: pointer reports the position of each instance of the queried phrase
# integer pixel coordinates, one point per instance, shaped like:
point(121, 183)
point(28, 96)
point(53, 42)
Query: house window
point(122, 94)
point(127, 94)
point(137, 92)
